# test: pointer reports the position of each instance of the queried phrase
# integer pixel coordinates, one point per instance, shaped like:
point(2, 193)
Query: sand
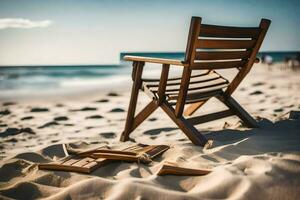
point(262, 163)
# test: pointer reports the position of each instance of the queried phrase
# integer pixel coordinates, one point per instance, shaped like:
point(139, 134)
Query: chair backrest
point(219, 47)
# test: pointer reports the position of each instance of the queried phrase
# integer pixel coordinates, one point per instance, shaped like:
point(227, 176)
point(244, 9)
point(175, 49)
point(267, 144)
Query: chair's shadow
point(281, 136)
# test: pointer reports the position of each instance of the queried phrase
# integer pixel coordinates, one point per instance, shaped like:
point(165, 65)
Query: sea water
point(15, 80)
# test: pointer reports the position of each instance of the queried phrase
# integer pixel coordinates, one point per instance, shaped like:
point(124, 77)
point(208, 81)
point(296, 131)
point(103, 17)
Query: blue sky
point(96, 31)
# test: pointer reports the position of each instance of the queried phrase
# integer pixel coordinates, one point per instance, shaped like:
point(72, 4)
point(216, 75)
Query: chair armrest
point(155, 60)
point(257, 60)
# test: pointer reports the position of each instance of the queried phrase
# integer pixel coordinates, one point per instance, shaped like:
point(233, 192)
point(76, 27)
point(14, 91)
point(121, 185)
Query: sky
point(63, 32)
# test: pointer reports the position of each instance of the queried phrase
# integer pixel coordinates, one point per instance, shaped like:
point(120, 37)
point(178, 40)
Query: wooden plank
point(83, 162)
point(222, 55)
point(198, 74)
point(155, 60)
point(225, 44)
point(191, 132)
point(193, 86)
point(264, 25)
point(219, 65)
point(175, 95)
point(71, 161)
point(144, 155)
point(228, 31)
point(171, 169)
point(133, 101)
point(208, 77)
point(193, 98)
point(210, 117)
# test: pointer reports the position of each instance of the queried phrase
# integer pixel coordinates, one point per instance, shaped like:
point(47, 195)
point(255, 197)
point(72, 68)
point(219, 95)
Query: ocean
point(16, 80)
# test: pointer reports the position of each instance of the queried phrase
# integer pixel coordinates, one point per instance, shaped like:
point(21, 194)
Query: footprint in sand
point(117, 110)
point(9, 103)
point(278, 110)
point(13, 140)
point(258, 84)
point(158, 131)
point(94, 117)
point(113, 94)
point(61, 118)
point(5, 112)
point(68, 124)
point(84, 109)
point(53, 123)
point(27, 118)
point(257, 92)
point(16, 131)
point(102, 101)
point(39, 110)
point(152, 119)
point(108, 135)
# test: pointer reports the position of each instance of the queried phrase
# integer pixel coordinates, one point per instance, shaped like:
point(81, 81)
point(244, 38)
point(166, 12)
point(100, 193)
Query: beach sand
point(261, 163)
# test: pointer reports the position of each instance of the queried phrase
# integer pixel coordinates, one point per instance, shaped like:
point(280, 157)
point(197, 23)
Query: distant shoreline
point(162, 54)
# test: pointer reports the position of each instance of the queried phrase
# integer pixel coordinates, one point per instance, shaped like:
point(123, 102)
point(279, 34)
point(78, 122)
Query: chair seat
point(202, 86)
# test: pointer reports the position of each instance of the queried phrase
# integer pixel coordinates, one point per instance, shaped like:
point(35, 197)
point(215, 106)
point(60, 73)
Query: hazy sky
point(96, 31)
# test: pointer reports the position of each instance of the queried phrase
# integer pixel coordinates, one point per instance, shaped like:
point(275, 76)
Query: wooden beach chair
point(209, 48)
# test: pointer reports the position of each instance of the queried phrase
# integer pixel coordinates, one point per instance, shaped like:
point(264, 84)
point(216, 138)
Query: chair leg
point(191, 132)
point(136, 121)
point(239, 111)
point(133, 101)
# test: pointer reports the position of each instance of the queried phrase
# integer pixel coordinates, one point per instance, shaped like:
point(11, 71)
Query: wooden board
point(85, 162)
point(208, 30)
point(145, 155)
point(170, 169)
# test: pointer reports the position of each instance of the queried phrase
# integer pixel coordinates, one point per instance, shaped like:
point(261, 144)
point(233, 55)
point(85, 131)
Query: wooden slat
point(218, 65)
point(210, 117)
point(196, 97)
point(71, 161)
point(83, 162)
point(155, 60)
point(222, 55)
point(202, 73)
point(194, 86)
point(171, 169)
point(208, 77)
point(225, 44)
point(228, 31)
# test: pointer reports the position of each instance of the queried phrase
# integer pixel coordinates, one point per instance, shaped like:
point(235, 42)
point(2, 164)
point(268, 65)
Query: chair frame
point(177, 114)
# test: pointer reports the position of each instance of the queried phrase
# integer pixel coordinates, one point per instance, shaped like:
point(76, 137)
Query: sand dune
point(261, 163)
